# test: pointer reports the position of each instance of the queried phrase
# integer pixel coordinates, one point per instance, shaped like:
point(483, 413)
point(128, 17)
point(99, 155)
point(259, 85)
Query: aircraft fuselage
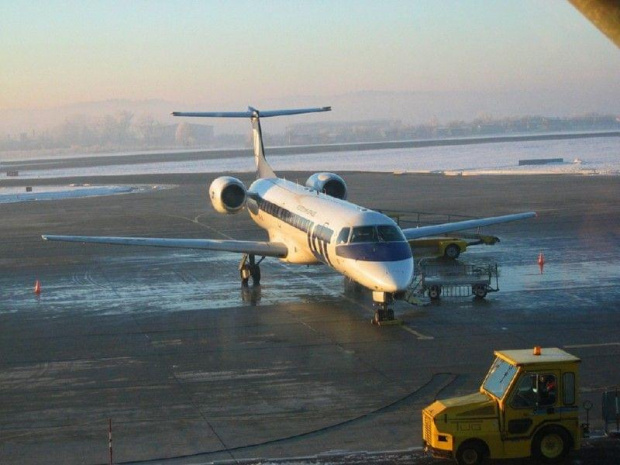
point(364, 245)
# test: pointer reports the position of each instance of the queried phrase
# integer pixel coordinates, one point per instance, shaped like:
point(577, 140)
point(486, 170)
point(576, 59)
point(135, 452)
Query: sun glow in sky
point(57, 53)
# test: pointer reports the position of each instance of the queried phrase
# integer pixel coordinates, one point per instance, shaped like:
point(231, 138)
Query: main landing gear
point(249, 268)
point(383, 314)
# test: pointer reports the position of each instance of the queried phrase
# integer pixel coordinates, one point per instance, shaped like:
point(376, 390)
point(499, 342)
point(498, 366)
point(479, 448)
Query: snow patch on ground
point(594, 156)
point(19, 194)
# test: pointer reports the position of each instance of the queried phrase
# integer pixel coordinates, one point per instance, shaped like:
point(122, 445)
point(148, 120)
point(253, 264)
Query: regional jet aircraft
point(309, 224)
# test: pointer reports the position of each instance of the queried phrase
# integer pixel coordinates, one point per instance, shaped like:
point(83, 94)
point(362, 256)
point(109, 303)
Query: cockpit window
point(364, 234)
point(379, 233)
point(343, 236)
point(389, 233)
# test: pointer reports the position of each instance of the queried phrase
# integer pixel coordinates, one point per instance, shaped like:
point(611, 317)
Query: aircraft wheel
point(382, 314)
point(452, 251)
point(434, 292)
point(245, 277)
point(255, 273)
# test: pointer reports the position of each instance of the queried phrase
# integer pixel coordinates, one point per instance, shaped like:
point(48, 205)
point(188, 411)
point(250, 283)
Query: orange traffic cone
point(541, 261)
point(37, 287)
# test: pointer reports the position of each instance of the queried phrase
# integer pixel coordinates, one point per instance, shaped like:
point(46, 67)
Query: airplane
point(309, 224)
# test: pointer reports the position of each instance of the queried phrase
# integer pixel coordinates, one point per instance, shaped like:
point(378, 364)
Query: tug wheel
point(452, 251)
point(471, 453)
point(551, 445)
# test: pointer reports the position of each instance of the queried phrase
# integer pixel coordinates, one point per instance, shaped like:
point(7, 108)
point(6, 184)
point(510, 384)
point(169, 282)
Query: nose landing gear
point(383, 314)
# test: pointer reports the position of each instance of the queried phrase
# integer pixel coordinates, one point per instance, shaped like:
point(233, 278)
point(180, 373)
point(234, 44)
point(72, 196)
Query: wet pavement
point(191, 368)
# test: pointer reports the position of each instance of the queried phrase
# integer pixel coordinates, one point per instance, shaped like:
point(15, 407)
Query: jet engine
point(328, 183)
point(228, 195)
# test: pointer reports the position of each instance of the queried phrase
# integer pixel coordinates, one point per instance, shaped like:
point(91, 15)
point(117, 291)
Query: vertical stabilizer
point(263, 170)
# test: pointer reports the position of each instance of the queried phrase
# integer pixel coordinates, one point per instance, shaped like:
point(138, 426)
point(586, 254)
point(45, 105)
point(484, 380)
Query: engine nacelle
point(228, 195)
point(328, 183)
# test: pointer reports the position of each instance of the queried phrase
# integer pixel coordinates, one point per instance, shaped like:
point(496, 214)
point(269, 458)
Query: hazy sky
point(239, 52)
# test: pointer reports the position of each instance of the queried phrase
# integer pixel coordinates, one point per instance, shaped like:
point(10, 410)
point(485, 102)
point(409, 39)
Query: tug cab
point(527, 406)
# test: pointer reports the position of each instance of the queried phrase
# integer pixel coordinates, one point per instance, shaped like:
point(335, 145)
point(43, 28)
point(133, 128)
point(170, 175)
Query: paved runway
point(192, 369)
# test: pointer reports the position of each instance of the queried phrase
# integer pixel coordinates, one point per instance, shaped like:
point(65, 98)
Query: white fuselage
point(364, 245)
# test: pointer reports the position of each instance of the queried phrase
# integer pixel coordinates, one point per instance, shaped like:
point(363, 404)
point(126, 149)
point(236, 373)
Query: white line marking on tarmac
point(417, 334)
point(583, 346)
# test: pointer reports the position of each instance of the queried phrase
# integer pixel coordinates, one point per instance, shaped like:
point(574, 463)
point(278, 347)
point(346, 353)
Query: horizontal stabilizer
point(250, 113)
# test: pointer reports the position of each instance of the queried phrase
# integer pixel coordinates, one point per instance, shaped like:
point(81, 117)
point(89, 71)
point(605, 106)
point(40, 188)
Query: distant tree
point(147, 129)
point(124, 127)
point(76, 130)
point(116, 130)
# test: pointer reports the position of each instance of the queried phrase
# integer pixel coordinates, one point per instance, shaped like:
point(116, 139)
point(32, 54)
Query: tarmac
point(191, 368)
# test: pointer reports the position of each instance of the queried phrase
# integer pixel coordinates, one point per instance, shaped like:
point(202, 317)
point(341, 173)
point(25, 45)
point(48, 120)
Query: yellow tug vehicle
point(527, 406)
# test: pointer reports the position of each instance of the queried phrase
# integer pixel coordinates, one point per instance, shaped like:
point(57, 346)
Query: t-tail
point(263, 170)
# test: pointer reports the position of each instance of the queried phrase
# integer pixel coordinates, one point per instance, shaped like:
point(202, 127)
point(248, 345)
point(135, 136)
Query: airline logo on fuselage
point(303, 209)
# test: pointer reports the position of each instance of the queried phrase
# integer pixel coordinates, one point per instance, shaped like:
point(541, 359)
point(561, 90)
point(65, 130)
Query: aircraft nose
point(387, 276)
point(398, 276)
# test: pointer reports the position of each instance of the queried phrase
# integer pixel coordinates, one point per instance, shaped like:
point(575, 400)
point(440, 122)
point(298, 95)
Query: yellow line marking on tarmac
point(584, 346)
point(417, 334)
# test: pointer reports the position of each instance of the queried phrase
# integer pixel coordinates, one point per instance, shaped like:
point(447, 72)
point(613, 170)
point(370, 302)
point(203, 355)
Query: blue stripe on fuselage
point(375, 251)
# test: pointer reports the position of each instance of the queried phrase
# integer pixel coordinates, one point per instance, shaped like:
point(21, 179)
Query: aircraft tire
point(255, 273)
point(434, 292)
point(480, 291)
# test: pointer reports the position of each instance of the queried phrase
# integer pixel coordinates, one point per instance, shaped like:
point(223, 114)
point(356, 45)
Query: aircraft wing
point(437, 229)
point(266, 249)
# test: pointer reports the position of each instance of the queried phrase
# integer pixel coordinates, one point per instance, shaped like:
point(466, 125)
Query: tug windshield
point(499, 378)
